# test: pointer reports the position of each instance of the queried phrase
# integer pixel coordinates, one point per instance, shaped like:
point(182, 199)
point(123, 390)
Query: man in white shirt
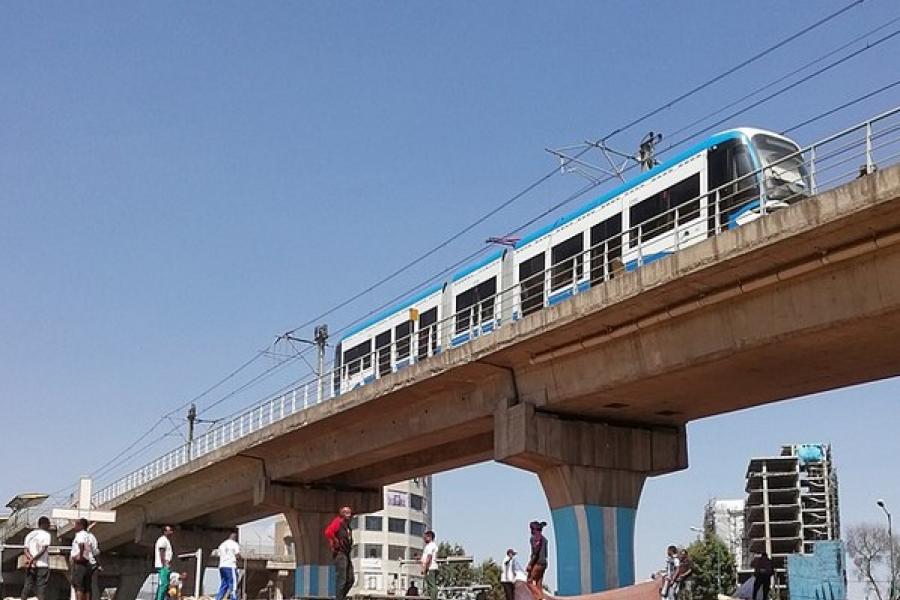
point(81, 558)
point(512, 573)
point(229, 553)
point(95, 565)
point(37, 564)
point(162, 560)
point(430, 565)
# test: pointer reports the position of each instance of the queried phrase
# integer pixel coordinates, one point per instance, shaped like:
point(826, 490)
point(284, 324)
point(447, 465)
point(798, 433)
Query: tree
point(714, 567)
point(488, 573)
point(463, 574)
point(454, 574)
point(869, 548)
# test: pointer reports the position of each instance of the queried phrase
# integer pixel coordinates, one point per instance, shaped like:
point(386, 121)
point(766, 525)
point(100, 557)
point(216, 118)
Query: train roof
point(539, 233)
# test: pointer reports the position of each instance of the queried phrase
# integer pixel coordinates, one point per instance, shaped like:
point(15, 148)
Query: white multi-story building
point(726, 519)
point(384, 540)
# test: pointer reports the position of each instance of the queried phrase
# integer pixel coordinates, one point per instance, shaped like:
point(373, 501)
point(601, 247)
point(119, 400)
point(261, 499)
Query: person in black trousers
point(762, 575)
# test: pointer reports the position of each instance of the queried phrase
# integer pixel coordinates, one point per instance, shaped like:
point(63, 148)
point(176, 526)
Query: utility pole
point(320, 341)
point(192, 422)
point(321, 338)
point(191, 419)
point(892, 589)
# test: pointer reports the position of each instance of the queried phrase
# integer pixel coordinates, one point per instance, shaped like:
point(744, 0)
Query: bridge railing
point(835, 160)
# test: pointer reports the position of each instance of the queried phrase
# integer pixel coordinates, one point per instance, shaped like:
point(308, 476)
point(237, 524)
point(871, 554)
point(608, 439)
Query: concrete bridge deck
point(591, 394)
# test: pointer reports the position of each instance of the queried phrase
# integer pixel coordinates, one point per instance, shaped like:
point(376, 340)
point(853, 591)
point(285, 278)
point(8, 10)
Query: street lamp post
point(891, 594)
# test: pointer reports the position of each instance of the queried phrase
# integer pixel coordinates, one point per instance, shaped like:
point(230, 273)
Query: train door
point(732, 183)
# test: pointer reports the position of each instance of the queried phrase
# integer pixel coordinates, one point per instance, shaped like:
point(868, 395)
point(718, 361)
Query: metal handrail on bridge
point(826, 163)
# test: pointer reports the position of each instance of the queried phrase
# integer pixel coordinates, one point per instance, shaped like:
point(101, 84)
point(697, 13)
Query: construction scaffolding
point(792, 503)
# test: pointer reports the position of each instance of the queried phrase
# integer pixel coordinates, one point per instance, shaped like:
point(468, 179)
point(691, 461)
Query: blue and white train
point(727, 180)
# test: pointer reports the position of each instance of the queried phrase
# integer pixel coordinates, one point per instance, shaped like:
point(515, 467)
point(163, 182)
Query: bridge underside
point(804, 300)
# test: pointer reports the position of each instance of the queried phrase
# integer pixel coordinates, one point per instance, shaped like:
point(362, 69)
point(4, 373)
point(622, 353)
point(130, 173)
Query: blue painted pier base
point(314, 581)
point(594, 547)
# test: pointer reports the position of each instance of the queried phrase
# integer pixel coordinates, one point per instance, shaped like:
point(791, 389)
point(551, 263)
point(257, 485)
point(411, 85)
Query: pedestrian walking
point(683, 575)
point(762, 575)
point(668, 588)
point(512, 573)
point(430, 565)
point(37, 561)
point(162, 560)
point(95, 563)
point(229, 554)
point(537, 564)
point(340, 538)
point(80, 557)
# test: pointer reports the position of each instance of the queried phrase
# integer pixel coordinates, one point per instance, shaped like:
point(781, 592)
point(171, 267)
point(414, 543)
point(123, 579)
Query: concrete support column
point(308, 510)
point(315, 572)
point(592, 474)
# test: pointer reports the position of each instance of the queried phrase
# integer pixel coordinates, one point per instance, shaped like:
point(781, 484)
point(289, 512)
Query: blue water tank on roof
point(810, 453)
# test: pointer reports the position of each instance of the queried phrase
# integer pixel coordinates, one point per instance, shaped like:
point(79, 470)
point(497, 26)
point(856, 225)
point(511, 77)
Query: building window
point(374, 524)
point(416, 502)
point(372, 550)
point(373, 581)
point(416, 528)
point(354, 523)
point(396, 552)
point(396, 525)
point(354, 552)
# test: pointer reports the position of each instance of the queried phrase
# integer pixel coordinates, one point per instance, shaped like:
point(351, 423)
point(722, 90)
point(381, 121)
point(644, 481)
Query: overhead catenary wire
point(527, 189)
point(668, 104)
point(734, 69)
point(791, 86)
point(843, 106)
point(760, 89)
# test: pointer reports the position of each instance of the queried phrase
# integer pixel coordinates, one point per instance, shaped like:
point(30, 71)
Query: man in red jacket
point(340, 538)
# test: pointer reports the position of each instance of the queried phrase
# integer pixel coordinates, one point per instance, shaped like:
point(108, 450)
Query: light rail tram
point(727, 180)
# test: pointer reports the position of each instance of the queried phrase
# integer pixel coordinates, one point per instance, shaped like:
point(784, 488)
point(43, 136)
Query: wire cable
point(733, 69)
point(480, 220)
point(749, 95)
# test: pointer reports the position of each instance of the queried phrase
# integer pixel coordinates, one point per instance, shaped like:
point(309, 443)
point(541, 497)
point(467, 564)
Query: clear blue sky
point(179, 182)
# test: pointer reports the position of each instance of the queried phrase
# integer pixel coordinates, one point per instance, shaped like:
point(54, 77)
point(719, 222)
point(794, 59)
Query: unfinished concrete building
point(792, 502)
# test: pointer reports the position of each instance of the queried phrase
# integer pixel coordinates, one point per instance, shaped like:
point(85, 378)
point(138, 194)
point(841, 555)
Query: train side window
point(403, 335)
point(531, 284)
point(486, 292)
point(464, 302)
point(475, 305)
point(358, 358)
point(686, 196)
point(656, 214)
point(383, 350)
point(606, 246)
point(427, 332)
point(567, 259)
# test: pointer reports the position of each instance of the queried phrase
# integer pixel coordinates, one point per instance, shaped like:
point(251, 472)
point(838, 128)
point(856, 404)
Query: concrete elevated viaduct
point(592, 394)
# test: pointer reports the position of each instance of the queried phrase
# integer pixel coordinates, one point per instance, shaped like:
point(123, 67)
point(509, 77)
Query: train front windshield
point(783, 169)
